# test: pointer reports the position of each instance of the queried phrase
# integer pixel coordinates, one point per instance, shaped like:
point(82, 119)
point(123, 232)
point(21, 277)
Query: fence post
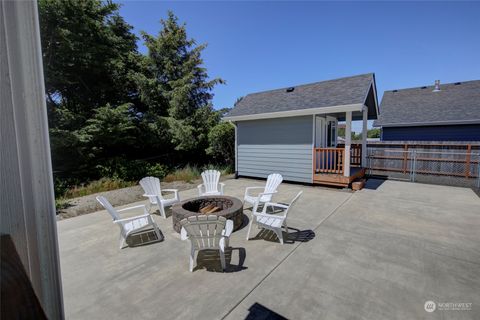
point(467, 161)
point(413, 165)
point(405, 158)
point(478, 171)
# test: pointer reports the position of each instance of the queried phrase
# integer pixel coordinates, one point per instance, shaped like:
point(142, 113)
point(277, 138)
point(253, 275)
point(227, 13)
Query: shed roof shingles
point(337, 92)
point(453, 103)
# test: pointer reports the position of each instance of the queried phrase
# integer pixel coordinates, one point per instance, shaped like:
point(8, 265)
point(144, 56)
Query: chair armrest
point(149, 195)
point(222, 185)
point(131, 208)
point(183, 234)
point(175, 193)
point(261, 194)
point(276, 204)
point(270, 216)
point(228, 229)
point(132, 218)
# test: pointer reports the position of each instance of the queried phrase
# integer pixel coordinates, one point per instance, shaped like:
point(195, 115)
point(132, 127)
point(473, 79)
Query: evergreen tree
point(176, 86)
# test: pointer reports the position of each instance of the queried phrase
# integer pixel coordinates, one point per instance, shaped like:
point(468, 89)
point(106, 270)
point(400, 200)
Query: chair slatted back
point(106, 204)
point(204, 231)
point(151, 185)
point(273, 181)
point(210, 180)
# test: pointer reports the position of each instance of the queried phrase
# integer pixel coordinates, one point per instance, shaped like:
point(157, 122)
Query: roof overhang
point(296, 113)
point(431, 123)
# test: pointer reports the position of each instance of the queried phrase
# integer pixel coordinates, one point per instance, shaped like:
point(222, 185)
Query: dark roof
point(337, 92)
point(455, 103)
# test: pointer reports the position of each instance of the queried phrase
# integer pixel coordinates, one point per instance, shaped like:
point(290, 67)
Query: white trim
point(432, 123)
point(372, 84)
point(296, 113)
point(364, 137)
point(236, 147)
point(314, 136)
point(348, 143)
point(375, 95)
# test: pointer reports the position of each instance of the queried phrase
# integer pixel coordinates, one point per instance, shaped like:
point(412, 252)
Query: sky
point(256, 46)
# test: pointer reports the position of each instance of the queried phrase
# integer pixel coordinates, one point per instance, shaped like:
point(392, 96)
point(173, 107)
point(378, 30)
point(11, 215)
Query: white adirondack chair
point(206, 232)
point(272, 222)
point(273, 181)
point(153, 191)
point(210, 185)
point(132, 224)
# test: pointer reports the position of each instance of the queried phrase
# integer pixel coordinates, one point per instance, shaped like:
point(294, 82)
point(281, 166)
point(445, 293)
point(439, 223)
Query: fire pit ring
point(225, 206)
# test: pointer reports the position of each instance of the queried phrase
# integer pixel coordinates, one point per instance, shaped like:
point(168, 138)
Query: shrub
point(221, 141)
point(187, 174)
point(104, 184)
point(123, 169)
point(157, 170)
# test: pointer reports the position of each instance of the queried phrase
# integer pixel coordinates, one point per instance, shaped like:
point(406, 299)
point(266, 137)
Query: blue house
point(447, 112)
point(293, 131)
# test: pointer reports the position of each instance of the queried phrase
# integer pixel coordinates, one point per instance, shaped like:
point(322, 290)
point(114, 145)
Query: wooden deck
point(340, 180)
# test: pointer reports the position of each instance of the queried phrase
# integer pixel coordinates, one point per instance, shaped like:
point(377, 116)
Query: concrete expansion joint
point(285, 258)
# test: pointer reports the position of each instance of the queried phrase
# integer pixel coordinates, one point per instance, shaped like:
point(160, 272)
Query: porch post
point(348, 142)
point(364, 137)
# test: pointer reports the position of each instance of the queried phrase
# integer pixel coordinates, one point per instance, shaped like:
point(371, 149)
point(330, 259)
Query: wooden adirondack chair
point(210, 185)
point(206, 232)
point(133, 224)
point(273, 181)
point(153, 191)
point(272, 222)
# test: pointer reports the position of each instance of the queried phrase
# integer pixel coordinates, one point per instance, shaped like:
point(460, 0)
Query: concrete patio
point(379, 253)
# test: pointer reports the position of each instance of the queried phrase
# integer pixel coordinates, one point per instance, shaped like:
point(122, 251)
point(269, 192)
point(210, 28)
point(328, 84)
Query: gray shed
point(293, 131)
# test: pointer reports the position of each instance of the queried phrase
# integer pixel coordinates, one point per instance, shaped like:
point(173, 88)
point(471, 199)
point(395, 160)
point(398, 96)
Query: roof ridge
point(312, 83)
point(432, 86)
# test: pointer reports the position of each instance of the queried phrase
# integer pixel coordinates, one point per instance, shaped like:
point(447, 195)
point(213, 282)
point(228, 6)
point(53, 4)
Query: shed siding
point(469, 132)
point(282, 145)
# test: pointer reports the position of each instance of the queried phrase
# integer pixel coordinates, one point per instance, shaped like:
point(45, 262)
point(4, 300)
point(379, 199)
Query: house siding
point(469, 132)
point(282, 145)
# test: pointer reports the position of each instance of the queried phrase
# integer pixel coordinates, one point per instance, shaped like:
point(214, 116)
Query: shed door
point(320, 132)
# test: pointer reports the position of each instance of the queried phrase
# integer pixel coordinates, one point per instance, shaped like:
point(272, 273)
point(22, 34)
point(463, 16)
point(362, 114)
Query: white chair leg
point(192, 259)
point(157, 232)
point(279, 235)
point(222, 259)
point(285, 225)
point(162, 211)
point(122, 241)
point(250, 227)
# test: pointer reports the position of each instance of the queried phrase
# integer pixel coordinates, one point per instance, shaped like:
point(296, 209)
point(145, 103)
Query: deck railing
point(329, 160)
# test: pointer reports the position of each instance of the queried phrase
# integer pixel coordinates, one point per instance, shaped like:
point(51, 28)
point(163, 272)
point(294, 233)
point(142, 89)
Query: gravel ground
point(88, 204)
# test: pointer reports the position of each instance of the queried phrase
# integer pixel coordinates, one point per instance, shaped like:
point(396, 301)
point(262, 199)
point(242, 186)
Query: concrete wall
point(282, 145)
point(27, 206)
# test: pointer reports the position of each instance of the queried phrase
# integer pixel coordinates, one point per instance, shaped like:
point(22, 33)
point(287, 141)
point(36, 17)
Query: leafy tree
point(373, 133)
point(222, 142)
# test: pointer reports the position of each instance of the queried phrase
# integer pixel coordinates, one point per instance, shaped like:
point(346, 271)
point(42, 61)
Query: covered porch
point(339, 164)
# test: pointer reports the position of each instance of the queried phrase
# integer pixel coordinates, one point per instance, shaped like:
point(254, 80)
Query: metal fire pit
point(231, 208)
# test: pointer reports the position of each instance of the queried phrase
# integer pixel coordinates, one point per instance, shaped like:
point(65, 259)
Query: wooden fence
point(425, 159)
